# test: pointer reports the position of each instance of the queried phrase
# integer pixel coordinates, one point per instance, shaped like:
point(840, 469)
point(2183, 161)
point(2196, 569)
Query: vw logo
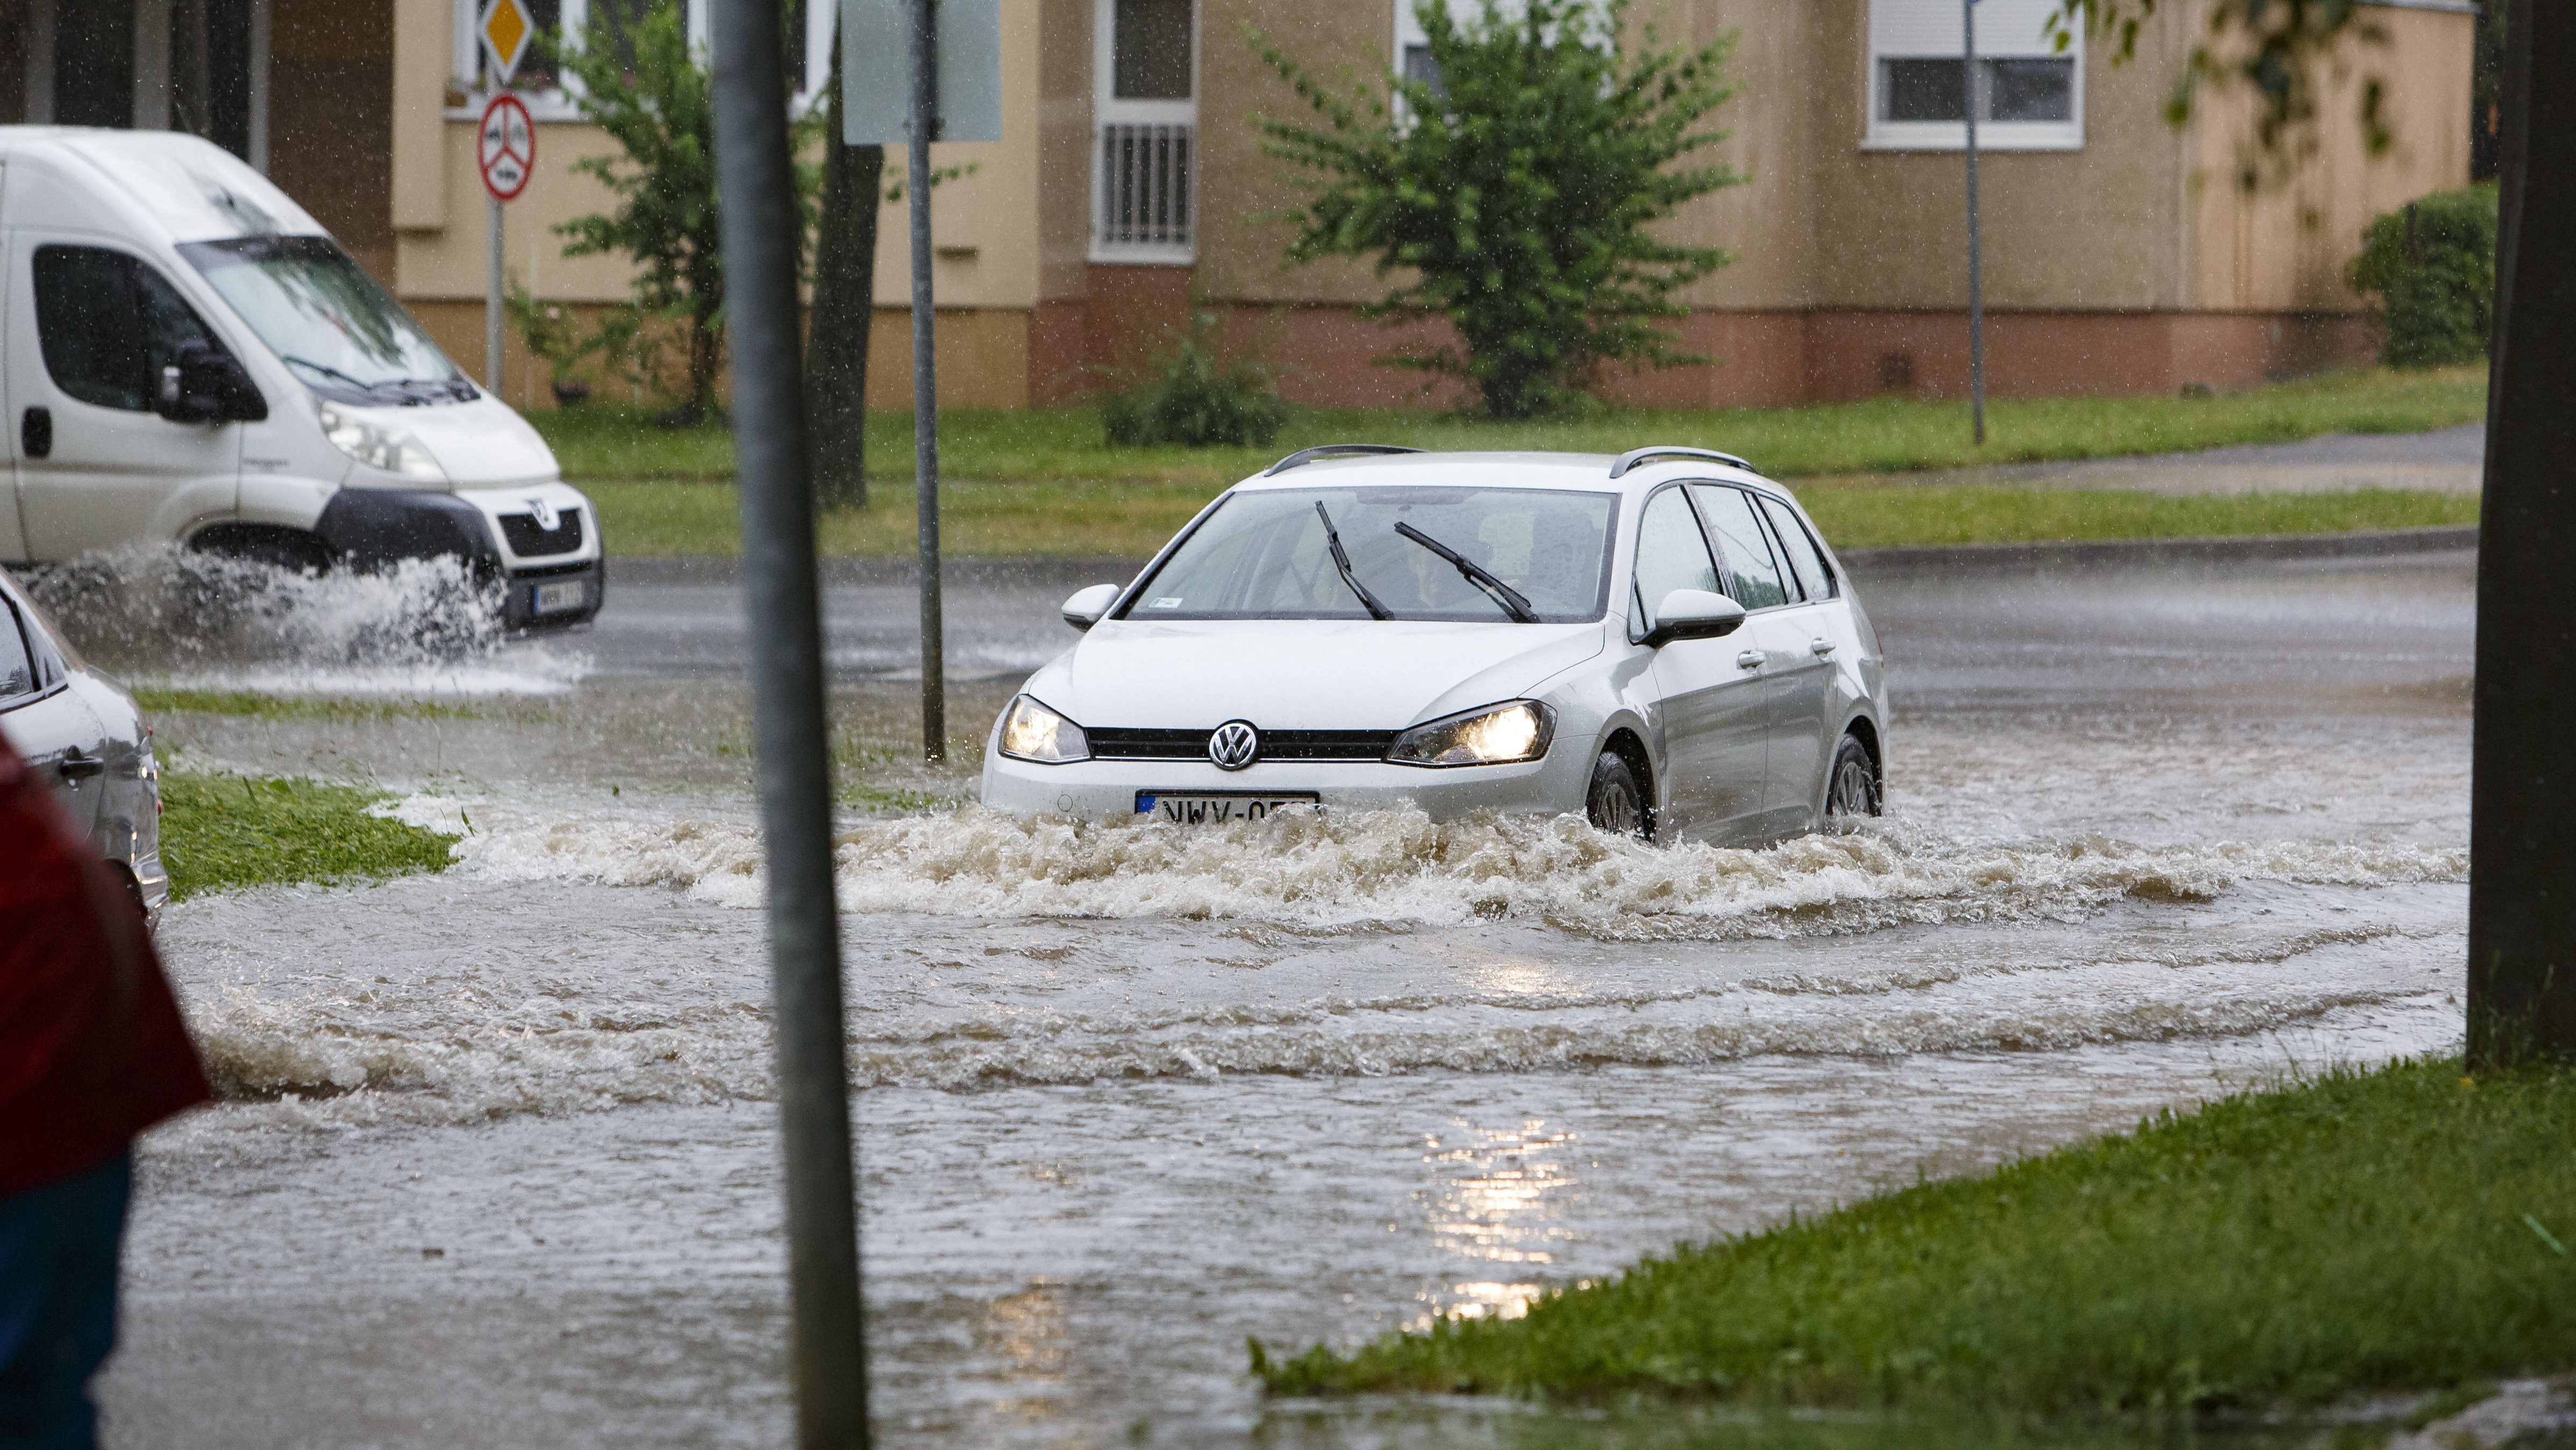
point(1234, 745)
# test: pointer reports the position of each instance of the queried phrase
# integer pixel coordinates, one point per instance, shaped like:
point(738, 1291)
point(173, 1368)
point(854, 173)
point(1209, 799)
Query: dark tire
point(292, 550)
point(1615, 801)
point(1854, 788)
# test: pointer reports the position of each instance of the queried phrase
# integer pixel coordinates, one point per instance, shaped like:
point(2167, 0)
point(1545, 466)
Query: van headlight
point(1492, 735)
point(380, 445)
point(1031, 731)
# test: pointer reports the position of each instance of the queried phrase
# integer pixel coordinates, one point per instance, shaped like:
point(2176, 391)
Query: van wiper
point(1513, 602)
point(1342, 561)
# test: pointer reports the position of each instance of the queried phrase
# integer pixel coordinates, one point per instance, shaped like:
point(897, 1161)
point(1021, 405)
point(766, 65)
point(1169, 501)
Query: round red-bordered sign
point(506, 149)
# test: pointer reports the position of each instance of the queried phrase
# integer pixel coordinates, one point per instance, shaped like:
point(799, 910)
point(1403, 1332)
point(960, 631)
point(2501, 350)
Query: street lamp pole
point(1976, 263)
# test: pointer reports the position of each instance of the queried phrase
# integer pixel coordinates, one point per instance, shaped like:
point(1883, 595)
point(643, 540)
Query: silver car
point(1661, 642)
point(84, 731)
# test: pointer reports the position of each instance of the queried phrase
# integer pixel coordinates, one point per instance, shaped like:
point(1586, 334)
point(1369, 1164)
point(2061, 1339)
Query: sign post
point(951, 78)
point(506, 149)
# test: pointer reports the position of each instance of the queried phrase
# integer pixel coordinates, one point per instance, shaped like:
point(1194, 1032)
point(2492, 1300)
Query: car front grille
point(530, 542)
point(1110, 743)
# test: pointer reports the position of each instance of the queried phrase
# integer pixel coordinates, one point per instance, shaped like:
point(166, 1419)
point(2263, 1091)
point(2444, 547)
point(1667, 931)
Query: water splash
point(207, 621)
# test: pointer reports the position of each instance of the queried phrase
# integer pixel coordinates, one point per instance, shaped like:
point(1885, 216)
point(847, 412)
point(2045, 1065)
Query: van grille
point(1111, 743)
point(529, 542)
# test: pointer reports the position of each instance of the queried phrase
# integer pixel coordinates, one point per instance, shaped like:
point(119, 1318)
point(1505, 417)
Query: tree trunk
point(2522, 825)
point(836, 347)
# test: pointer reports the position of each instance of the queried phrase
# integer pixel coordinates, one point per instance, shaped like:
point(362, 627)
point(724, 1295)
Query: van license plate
point(556, 598)
point(1217, 810)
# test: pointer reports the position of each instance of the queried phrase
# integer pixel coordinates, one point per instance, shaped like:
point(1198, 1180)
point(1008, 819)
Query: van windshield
point(1265, 554)
point(329, 321)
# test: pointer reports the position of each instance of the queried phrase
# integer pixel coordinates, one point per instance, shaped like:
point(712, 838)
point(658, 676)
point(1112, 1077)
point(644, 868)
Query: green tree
point(1517, 194)
point(635, 76)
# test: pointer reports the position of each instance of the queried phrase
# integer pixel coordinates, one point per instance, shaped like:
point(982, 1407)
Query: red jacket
point(92, 1048)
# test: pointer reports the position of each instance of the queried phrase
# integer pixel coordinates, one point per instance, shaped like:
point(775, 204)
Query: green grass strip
point(1863, 518)
point(225, 832)
point(1882, 435)
point(2362, 1232)
point(251, 704)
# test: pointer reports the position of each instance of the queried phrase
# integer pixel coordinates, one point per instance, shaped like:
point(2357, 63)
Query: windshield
point(329, 321)
point(1265, 555)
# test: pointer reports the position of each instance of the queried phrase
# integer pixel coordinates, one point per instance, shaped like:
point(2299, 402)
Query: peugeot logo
point(547, 518)
point(1234, 745)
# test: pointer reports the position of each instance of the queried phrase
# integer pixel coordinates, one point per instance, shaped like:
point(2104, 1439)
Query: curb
point(1073, 572)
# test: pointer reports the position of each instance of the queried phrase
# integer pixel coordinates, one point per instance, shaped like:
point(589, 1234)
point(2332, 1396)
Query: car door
point(48, 724)
point(1777, 624)
point(91, 329)
point(1813, 708)
point(1711, 691)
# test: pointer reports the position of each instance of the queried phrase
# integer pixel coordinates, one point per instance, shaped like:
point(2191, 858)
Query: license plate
point(1216, 810)
point(556, 598)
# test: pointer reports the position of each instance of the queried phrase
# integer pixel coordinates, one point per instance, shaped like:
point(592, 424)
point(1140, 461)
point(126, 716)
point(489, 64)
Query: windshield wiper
point(1342, 561)
point(1512, 601)
point(305, 362)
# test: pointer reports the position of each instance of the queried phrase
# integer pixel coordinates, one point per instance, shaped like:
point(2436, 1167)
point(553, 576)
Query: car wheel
point(1615, 801)
point(1855, 789)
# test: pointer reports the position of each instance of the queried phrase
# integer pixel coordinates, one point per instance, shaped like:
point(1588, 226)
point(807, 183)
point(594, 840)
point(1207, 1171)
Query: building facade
point(1130, 187)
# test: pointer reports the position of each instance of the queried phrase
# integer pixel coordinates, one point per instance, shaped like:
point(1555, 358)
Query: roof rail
point(1635, 456)
point(1304, 456)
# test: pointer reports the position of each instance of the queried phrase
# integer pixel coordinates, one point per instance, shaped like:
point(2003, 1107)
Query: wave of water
point(421, 626)
point(1349, 869)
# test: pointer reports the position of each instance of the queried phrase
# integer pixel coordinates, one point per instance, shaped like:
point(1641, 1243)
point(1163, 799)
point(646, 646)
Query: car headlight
point(380, 445)
point(1492, 735)
point(1031, 731)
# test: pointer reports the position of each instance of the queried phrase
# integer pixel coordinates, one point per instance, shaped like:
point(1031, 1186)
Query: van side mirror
point(203, 384)
point(1084, 608)
point(1694, 614)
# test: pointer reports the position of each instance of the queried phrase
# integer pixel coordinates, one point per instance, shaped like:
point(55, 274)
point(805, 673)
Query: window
point(1752, 575)
point(1145, 113)
point(809, 27)
point(1805, 560)
point(108, 324)
point(2028, 96)
point(329, 321)
point(17, 664)
point(1671, 554)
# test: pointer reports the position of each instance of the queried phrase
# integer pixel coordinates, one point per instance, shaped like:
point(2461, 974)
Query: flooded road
point(496, 1161)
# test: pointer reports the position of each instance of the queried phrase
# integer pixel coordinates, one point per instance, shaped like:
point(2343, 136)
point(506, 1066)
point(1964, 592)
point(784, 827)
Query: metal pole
point(1976, 267)
point(925, 376)
point(2522, 838)
point(492, 301)
point(757, 210)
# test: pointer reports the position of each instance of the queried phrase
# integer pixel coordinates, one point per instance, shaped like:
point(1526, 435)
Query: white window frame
point(555, 102)
point(1993, 43)
point(1108, 110)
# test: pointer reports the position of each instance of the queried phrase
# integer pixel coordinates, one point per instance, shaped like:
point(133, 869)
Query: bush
point(1197, 402)
point(2432, 266)
point(1518, 188)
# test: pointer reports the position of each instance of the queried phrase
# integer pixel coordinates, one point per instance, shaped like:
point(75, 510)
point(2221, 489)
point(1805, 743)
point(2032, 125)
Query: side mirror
point(1694, 614)
point(203, 384)
point(1084, 609)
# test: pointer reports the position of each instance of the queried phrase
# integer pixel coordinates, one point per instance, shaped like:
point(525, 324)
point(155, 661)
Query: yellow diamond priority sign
point(506, 28)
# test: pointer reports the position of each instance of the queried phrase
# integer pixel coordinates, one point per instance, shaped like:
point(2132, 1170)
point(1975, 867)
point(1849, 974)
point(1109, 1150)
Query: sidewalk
point(2449, 460)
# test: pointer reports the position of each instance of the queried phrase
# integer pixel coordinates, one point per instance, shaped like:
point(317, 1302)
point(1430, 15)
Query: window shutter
point(1934, 28)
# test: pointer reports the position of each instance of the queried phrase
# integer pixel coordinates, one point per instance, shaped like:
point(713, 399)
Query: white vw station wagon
point(1661, 641)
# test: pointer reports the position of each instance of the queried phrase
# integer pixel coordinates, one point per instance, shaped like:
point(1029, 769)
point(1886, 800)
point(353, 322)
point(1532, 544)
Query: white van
point(187, 357)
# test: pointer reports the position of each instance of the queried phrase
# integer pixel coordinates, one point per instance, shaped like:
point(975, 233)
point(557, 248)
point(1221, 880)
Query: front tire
point(1854, 789)
point(1615, 802)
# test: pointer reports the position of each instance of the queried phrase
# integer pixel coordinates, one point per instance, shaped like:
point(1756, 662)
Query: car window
point(1753, 576)
point(1671, 554)
point(108, 325)
point(1806, 561)
point(1263, 554)
point(17, 665)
